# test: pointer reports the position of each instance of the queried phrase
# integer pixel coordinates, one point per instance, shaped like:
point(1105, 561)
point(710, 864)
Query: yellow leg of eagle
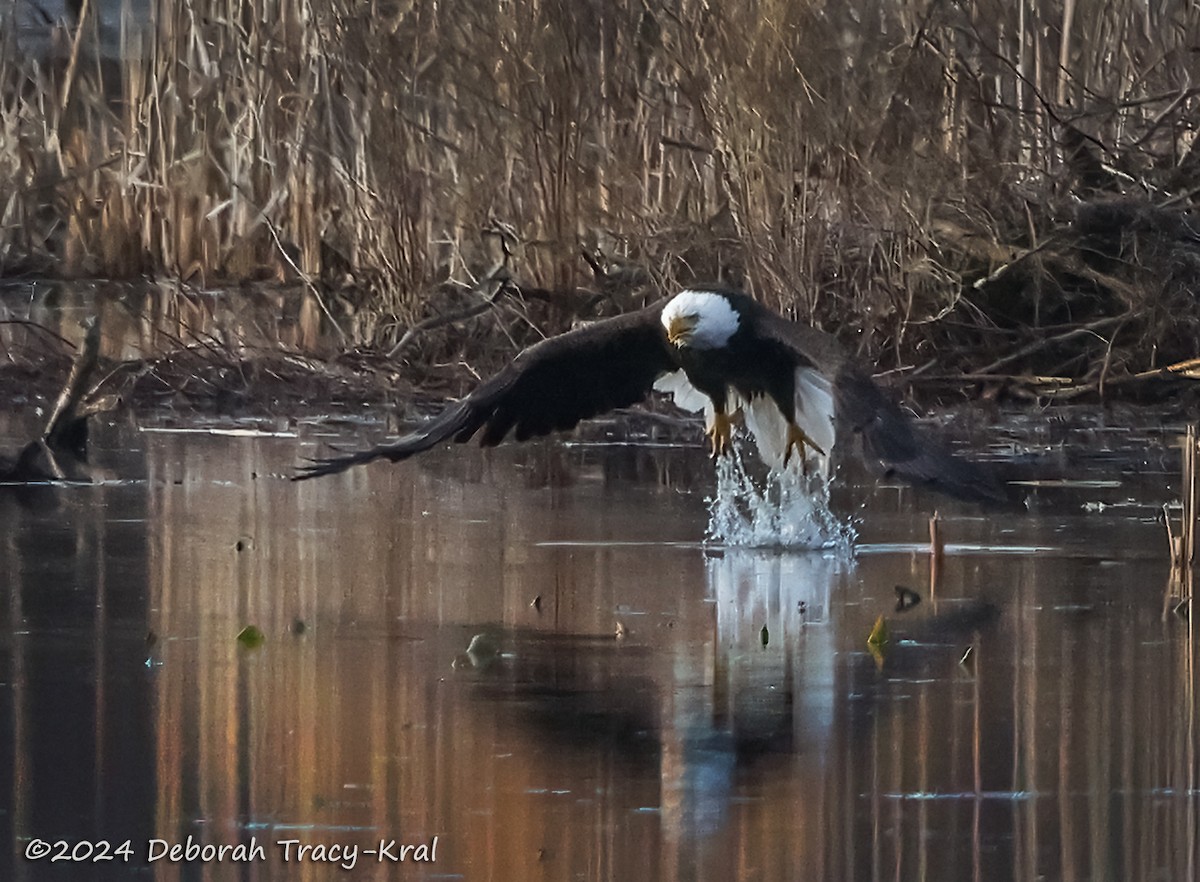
point(718, 434)
point(797, 440)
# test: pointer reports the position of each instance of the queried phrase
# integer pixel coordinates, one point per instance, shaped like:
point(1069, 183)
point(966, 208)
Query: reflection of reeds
point(1183, 544)
point(1046, 760)
point(937, 551)
point(1190, 488)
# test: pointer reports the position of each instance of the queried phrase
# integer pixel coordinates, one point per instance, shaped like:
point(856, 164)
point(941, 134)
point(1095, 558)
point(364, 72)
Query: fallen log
point(66, 427)
point(63, 439)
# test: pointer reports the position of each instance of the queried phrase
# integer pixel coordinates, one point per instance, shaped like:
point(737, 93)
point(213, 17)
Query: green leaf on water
point(878, 640)
point(765, 635)
point(879, 634)
point(251, 637)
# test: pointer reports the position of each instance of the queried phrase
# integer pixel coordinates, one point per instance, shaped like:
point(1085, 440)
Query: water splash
point(787, 508)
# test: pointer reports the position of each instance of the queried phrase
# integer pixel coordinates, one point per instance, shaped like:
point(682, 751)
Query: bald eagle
point(714, 349)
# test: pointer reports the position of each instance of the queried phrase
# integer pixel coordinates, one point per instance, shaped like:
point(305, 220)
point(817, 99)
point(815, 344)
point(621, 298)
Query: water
point(780, 506)
point(639, 705)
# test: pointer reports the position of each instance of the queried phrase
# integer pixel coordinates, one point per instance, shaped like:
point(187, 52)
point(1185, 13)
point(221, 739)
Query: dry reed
point(944, 187)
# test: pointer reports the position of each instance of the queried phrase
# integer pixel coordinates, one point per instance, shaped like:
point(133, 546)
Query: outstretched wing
point(891, 442)
point(550, 386)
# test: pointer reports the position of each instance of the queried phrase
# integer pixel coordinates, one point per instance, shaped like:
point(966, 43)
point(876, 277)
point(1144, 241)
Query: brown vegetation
point(994, 190)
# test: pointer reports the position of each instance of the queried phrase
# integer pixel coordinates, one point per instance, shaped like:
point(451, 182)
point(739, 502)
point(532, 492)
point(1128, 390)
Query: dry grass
point(944, 184)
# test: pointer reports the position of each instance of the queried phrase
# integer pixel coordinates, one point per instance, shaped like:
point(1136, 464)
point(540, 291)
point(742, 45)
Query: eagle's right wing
point(550, 386)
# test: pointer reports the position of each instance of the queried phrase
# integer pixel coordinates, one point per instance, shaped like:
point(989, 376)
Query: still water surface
point(638, 707)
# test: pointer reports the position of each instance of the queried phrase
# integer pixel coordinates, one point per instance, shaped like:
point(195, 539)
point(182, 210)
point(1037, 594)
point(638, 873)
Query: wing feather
point(891, 443)
point(551, 385)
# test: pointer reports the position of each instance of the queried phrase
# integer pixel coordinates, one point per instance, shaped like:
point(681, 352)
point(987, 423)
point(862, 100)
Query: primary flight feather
point(714, 349)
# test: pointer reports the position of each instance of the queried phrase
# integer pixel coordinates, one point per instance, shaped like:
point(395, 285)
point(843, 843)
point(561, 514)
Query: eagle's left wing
point(891, 443)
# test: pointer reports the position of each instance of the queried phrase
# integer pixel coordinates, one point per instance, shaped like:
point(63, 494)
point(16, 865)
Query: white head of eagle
point(700, 319)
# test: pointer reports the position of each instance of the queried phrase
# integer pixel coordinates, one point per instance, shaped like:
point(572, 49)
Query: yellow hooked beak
point(680, 329)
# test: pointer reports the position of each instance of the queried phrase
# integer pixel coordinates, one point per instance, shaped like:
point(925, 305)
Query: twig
point(74, 61)
point(61, 424)
point(1188, 369)
point(496, 273)
point(1037, 345)
point(1191, 491)
point(685, 145)
point(1104, 367)
point(40, 327)
point(909, 371)
point(1158, 120)
point(304, 277)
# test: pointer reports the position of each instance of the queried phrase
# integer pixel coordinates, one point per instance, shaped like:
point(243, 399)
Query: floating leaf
point(765, 635)
point(879, 634)
point(878, 640)
point(251, 637)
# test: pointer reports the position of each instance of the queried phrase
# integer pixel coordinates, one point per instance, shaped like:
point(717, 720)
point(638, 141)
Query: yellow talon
point(718, 434)
point(797, 440)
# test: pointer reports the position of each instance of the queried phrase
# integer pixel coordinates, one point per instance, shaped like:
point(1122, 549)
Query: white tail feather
point(814, 415)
